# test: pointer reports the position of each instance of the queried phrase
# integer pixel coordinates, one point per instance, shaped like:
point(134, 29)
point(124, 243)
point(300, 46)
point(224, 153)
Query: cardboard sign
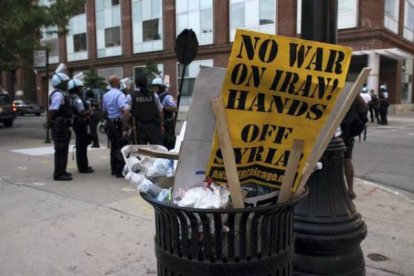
point(276, 89)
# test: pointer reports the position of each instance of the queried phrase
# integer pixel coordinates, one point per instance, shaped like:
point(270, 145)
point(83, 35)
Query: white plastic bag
point(213, 197)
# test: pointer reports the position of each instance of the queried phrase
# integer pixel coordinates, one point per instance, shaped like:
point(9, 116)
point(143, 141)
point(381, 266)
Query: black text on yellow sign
point(276, 89)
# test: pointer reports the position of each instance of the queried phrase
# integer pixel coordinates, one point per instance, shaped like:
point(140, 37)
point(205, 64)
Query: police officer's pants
point(93, 127)
point(373, 111)
point(169, 134)
point(114, 131)
point(81, 131)
point(149, 133)
point(61, 138)
point(383, 112)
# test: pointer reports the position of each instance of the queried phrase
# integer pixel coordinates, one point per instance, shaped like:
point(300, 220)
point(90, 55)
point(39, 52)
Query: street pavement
point(99, 225)
point(386, 157)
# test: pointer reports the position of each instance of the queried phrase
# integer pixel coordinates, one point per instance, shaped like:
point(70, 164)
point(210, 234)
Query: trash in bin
point(155, 192)
point(211, 196)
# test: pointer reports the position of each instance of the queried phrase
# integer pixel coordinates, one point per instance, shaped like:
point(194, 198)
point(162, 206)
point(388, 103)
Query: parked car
point(27, 107)
point(7, 110)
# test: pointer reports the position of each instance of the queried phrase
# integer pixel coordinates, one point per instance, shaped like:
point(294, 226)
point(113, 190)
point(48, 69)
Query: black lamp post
point(328, 229)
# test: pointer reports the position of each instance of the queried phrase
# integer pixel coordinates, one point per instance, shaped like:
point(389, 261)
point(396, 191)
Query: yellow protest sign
point(276, 89)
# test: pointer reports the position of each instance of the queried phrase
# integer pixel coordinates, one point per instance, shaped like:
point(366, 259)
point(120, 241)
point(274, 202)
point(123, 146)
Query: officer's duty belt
point(64, 121)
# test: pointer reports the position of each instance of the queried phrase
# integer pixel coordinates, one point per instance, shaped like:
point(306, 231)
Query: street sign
point(277, 90)
point(40, 59)
point(186, 46)
point(186, 49)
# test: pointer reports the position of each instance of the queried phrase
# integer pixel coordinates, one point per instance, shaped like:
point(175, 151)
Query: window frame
point(111, 68)
point(104, 29)
point(143, 30)
point(408, 31)
point(74, 43)
point(161, 30)
point(106, 37)
point(178, 78)
point(395, 19)
point(231, 38)
point(200, 11)
point(299, 16)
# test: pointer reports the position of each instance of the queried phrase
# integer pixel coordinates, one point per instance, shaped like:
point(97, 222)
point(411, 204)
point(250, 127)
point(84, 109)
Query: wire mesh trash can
point(224, 242)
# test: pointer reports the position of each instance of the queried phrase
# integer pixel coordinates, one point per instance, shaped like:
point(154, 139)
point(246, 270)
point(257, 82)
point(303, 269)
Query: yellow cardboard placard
point(276, 89)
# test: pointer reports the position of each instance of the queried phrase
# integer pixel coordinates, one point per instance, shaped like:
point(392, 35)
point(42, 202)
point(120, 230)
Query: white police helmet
point(157, 81)
point(124, 83)
point(122, 86)
point(383, 86)
point(59, 78)
point(365, 90)
point(74, 83)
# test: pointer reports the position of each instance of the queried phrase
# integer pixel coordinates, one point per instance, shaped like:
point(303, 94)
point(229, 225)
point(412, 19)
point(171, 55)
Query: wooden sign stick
point(355, 90)
point(228, 153)
point(290, 172)
point(158, 154)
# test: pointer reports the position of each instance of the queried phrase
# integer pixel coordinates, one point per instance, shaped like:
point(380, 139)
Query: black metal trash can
point(226, 242)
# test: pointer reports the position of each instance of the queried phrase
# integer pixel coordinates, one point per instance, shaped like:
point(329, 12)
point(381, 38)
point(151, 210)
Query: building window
point(79, 42)
point(392, 8)
point(76, 39)
point(198, 16)
point(147, 25)
point(407, 81)
point(106, 73)
point(255, 15)
point(150, 30)
point(347, 14)
point(50, 37)
point(108, 28)
point(409, 20)
point(113, 37)
point(190, 78)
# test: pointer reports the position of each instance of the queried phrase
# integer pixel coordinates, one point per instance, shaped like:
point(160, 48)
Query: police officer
point(94, 118)
point(383, 104)
point(383, 91)
point(146, 110)
point(113, 106)
point(169, 108)
point(373, 106)
point(81, 112)
point(59, 119)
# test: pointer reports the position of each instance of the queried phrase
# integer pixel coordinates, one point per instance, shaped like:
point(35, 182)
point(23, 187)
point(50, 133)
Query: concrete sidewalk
point(99, 225)
point(389, 215)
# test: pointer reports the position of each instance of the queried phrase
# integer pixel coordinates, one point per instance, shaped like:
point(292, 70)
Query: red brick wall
point(126, 28)
point(286, 17)
point(169, 26)
point(221, 22)
point(390, 73)
point(371, 14)
point(91, 29)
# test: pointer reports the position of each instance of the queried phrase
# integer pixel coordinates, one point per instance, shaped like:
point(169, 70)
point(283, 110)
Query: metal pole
point(320, 20)
point(179, 95)
point(47, 141)
point(328, 229)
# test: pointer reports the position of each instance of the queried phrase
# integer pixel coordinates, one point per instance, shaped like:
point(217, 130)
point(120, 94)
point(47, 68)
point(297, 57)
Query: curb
point(406, 196)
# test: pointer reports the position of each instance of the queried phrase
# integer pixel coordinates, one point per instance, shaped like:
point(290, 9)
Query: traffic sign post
point(186, 49)
point(41, 62)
